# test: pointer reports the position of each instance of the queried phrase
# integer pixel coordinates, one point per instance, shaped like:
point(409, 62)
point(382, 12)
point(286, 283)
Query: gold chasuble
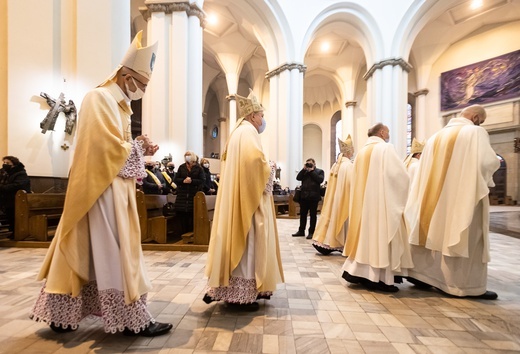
point(377, 245)
point(244, 219)
point(102, 149)
point(332, 225)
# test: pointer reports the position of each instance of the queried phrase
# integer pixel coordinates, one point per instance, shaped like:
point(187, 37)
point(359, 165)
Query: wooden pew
point(281, 204)
point(294, 208)
point(36, 214)
point(154, 225)
point(203, 209)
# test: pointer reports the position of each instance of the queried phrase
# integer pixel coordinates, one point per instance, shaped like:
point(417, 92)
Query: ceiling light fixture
point(475, 4)
point(212, 19)
point(325, 46)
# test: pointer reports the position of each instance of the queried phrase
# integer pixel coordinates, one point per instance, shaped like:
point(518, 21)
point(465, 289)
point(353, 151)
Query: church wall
point(503, 117)
point(3, 79)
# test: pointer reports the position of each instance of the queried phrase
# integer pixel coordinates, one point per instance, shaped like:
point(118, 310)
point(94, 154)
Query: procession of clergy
point(426, 220)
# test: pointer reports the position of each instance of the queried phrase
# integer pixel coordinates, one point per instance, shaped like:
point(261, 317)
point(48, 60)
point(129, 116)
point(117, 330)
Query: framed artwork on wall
point(491, 80)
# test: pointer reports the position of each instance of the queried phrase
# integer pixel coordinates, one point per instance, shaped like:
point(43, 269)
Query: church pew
point(203, 209)
point(153, 224)
point(37, 214)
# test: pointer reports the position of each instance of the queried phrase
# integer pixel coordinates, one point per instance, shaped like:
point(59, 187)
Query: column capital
point(231, 98)
point(287, 66)
point(222, 119)
point(421, 92)
point(391, 61)
point(350, 104)
point(169, 6)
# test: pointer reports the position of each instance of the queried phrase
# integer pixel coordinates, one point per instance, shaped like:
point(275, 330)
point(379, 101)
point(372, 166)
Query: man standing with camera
point(311, 178)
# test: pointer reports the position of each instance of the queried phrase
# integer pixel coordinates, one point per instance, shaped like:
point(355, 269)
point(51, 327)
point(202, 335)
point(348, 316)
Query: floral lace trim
point(134, 165)
point(327, 247)
point(239, 291)
point(64, 310)
point(270, 182)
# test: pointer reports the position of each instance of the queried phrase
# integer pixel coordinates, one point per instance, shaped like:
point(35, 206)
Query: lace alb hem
point(327, 247)
point(64, 310)
point(239, 291)
point(134, 165)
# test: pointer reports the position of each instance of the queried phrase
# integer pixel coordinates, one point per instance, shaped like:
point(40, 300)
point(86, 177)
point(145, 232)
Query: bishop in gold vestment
point(244, 256)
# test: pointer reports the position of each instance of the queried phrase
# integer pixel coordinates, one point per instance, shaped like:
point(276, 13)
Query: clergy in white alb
point(448, 208)
point(331, 230)
point(244, 262)
point(377, 246)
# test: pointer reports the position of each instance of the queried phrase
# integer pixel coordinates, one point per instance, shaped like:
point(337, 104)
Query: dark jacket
point(186, 191)
point(16, 180)
point(150, 187)
point(208, 183)
point(311, 181)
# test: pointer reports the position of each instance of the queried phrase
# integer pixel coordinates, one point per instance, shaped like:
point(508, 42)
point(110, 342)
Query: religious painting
point(491, 80)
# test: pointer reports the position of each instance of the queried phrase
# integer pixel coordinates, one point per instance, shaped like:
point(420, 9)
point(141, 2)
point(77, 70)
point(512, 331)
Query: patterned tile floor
point(315, 311)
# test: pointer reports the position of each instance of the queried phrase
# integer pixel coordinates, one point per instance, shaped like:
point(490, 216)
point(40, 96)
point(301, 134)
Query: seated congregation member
point(244, 262)
point(448, 209)
point(169, 177)
point(377, 244)
point(209, 187)
point(95, 265)
point(14, 179)
point(154, 182)
point(331, 230)
point(189, 180)
point(412, 160)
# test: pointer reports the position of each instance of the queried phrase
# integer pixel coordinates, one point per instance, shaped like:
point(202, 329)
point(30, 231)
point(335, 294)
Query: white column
point(347, 119)
point(420, 114)
point(232, 85)
point(194, 92)
point(223, 133)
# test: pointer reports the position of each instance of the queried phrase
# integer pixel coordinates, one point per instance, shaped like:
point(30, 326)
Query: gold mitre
point(248, 105)
point(417, 146)
point(138, 58)
point(346, 146)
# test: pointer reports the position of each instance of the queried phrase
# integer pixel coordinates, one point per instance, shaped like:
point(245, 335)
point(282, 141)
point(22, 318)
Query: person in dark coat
point(15, 179)
point(311, 178)
point(189, 180)
point(209, 186)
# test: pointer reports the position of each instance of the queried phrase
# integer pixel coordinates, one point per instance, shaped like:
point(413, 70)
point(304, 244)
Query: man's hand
point(149, 148)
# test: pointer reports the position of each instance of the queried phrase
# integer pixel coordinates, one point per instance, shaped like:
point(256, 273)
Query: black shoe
point(352, 278)
point(386, 288)
point(60, 329)
point(309, 236)
point(299, 233)
point(263, 296)
point(323, 251)
point(153, 330)
point(419, 284)
point(207, 299)
point(488, 295)
point(250, 307)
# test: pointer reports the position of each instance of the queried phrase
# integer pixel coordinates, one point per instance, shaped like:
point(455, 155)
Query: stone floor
point(315, 311)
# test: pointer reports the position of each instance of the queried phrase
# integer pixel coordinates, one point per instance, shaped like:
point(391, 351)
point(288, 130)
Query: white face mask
point(187, 158)
point(134, 96)
point(206, 165)
point(262, 127)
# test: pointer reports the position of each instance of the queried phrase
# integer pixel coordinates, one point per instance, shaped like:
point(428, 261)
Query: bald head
point(380, 130)
point(475, 113)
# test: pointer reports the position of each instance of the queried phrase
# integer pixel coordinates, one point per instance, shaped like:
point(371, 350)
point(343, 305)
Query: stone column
point(420, 114)
point(347, 119)
point(286, 117)
point(387, 92)
point(223, 133)
point(232, 113)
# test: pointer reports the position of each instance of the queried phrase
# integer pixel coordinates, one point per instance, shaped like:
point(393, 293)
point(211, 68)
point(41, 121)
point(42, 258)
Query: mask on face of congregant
point(134, 96)
point(261, 128)
point(187, 158)
point(206, 165)
point(149, 167)
point(171, 168)
point(6, 167)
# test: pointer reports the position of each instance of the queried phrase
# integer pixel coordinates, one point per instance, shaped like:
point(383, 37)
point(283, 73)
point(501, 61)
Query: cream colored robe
point(102, 148)
point(377, 247)
point(332, 225)
point(241, 206)
point(448, 209)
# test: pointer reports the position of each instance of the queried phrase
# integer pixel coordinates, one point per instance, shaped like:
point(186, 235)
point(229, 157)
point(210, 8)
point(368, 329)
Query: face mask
point(149, 167)
point(6, 167)
point(171, 168)
point(187, 158)
point(134, 96)
point(206, 165)
point(262, 127)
